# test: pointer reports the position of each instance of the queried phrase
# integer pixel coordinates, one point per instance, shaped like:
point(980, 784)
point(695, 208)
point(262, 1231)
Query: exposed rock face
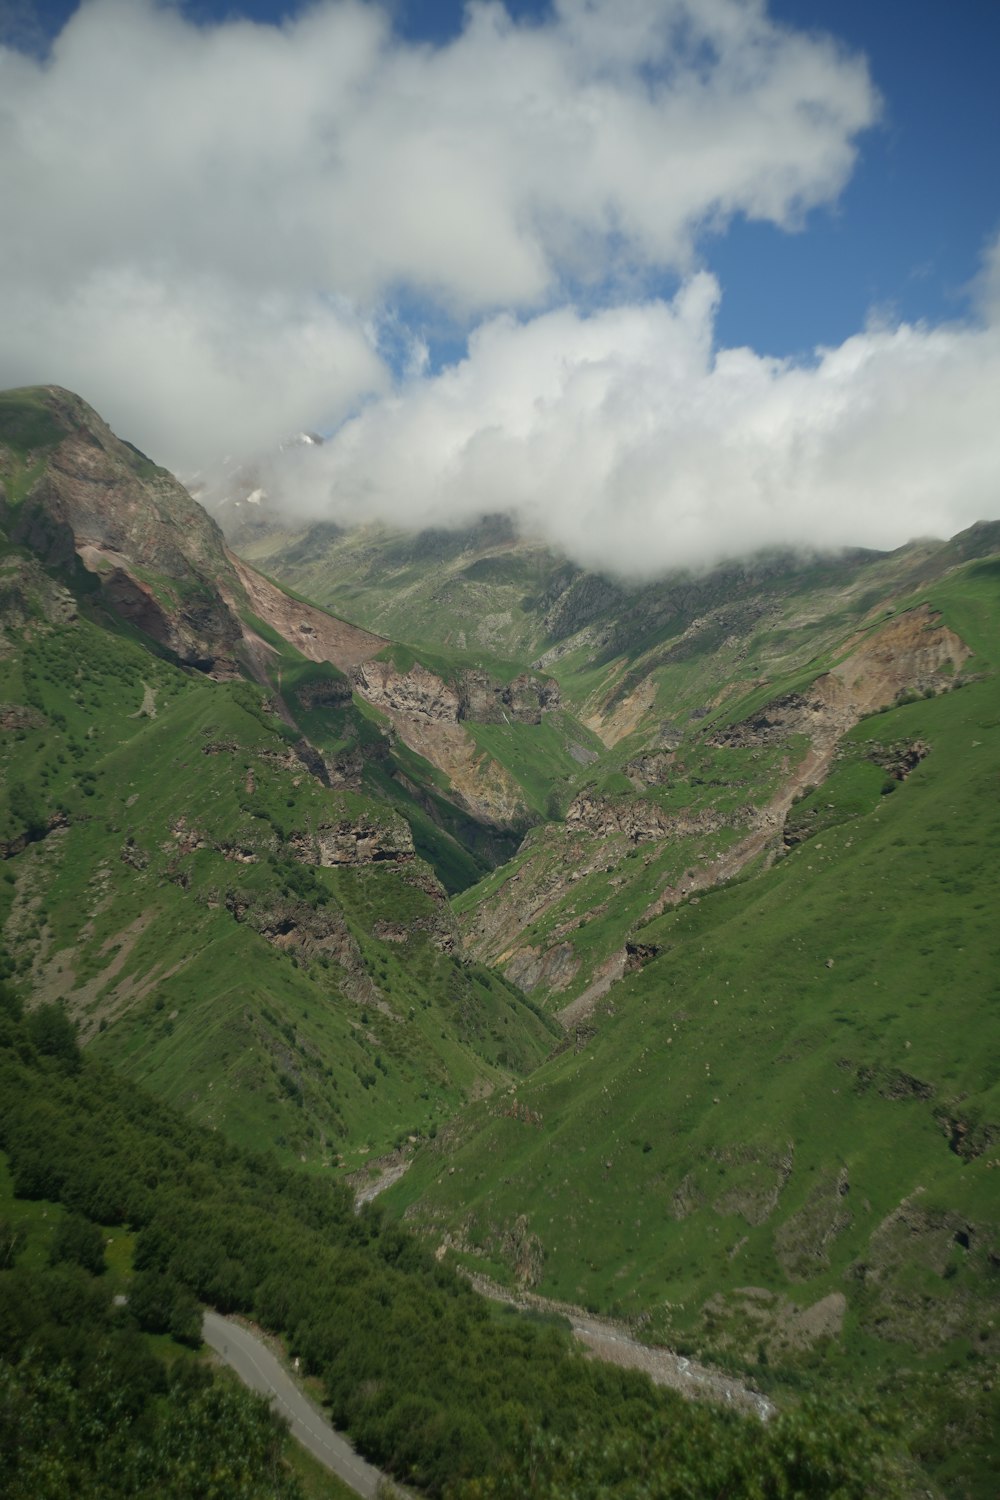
point(899, 760)
point(421, 694)
point(910, 654)
point(642, 821)
point(638, 955)
point(414, 694)
point(522, 701)
point(102, 501)
point(554, 968)
point(428, 713)
point(650, 770)
point(308, 929)
point(318, 635)
point(27, 592)
point(10, 847)
point(15, 716)
point(358, 842)
point(161, 560)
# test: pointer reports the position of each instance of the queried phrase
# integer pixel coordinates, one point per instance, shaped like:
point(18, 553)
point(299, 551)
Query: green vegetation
point(27, 426)
point(140, 898)
point(721, 1146)
point(90, 1404)
point(749, 858)
point(539, 757)
point(427, 1380)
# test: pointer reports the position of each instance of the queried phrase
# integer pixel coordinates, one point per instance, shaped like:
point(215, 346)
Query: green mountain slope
point(776, 1142)
point(652, 930)
point(265, 949)
point(692, 731)
point(222, 878)
point(428, 1379)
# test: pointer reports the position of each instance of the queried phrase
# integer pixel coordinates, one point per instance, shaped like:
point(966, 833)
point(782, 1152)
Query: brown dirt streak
point(611, 1341)
point(325, 638)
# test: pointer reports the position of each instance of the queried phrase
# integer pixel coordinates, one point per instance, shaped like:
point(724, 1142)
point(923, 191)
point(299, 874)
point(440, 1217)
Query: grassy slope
point(689, 686)
point(119, 913)
point(483, 587)
point(799, 1094)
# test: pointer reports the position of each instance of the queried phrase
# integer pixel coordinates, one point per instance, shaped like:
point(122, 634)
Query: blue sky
point(908, 232)
point(665, 279)
point(906, 235)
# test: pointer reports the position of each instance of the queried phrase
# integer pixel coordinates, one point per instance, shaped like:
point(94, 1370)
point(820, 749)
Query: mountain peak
point(71, 491)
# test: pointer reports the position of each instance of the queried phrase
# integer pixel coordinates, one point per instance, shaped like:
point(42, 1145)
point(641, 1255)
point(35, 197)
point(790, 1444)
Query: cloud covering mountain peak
point(223, 233)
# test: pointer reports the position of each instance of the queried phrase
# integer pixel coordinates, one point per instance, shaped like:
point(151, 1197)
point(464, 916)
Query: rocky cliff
point(430, 716)
point(74, 494)
point(72, 490)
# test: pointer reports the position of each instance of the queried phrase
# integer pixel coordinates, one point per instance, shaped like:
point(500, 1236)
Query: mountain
point(205, 851)
point(642, 938)
point(711, 704)
point(764, 911)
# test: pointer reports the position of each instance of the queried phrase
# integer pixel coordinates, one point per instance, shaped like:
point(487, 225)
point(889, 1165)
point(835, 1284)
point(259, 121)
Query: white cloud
point(624, 440)
point(209, 230)
point(219, 216)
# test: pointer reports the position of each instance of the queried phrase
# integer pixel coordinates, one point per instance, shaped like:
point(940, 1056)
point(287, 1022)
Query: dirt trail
point(605, 1339)
point(768, 824)
point(579, 1009)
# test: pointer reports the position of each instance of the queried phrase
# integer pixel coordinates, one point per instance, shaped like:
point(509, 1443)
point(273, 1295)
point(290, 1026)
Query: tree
point(78, 1242)
point(54, 1034)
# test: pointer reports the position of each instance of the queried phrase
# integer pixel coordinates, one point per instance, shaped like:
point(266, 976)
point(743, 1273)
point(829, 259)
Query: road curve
point(257, 1367)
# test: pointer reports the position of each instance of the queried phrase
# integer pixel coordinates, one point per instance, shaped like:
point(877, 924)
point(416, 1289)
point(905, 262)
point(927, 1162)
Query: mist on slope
point(626, 440)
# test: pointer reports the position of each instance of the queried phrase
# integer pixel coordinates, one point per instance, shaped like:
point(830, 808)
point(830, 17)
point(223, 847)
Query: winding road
point(258, 1368)
point(261, 1371)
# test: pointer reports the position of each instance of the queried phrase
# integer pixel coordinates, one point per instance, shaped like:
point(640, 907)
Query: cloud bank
point(625, 439)
point(213, 233)
point(206, 227)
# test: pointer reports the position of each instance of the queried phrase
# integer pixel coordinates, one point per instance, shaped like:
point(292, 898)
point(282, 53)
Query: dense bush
point(86, 1410)
point(429, 1380)
point(78, 1242)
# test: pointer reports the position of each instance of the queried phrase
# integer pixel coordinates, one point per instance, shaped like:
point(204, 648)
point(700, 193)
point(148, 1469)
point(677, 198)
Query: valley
point(634, 944)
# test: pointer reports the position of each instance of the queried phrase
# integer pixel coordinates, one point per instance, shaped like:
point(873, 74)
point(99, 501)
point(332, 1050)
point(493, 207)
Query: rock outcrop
point(28, 593)
point(429, 714)
point(522, 701)
point(359, 841)
point(413, 694)
point(159, 559)
point(912, 653)
point(72, 492)
point(645, 822)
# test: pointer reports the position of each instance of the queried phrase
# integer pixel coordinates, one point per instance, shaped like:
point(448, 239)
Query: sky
point(668, 281)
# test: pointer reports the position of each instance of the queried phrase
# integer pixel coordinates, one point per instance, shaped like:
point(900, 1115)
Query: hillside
point(640, 941)
point(710, 705)
point(214, 871)
point(105, 1192)
point(766, 917)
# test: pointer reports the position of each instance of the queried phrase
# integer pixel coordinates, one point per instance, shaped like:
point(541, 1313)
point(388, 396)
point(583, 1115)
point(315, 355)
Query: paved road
point(257, 1367)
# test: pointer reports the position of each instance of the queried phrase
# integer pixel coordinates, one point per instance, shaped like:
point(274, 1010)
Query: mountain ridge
point(652, 944)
